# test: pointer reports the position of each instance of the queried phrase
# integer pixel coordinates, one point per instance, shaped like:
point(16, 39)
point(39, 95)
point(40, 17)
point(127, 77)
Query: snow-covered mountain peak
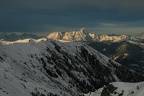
point(55, 35)
point(79, 35)
point(82, 29)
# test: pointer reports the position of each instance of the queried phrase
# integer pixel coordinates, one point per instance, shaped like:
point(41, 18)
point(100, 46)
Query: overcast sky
point(98, 16)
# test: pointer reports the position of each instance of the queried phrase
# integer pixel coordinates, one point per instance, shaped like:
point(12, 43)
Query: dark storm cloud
point(56, 4)
point(50, 15)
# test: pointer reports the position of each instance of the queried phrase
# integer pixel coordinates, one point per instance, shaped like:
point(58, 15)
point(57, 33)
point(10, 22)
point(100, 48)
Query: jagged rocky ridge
point(51, 68)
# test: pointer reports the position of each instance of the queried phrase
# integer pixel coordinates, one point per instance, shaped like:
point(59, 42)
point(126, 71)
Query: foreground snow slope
point(120, 89)
point(51, 68)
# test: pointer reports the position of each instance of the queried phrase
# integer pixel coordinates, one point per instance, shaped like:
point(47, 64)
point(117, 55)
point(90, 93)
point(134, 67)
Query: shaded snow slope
point(57, 69)
point(120, 89)
point(129, 54)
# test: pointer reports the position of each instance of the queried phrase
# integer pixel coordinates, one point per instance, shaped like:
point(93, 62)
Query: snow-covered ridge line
point(23, 41)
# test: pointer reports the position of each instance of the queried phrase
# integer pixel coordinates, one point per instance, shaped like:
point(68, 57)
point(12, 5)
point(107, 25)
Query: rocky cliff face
point(51, 68)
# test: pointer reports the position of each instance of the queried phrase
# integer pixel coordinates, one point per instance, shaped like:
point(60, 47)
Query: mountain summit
point(80, 35)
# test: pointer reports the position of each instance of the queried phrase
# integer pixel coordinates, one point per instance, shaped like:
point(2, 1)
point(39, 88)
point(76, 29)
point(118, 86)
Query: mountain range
point(14, 36)
point(82, 35)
